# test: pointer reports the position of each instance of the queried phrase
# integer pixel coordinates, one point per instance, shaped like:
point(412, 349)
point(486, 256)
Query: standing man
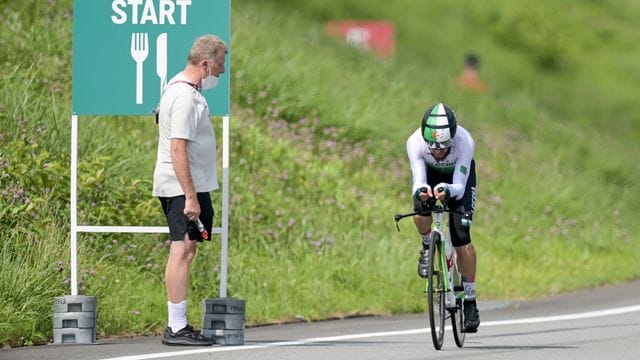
point(441, 157)
point(185, 173)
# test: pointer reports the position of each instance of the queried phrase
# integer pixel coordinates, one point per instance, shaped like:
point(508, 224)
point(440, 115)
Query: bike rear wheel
point(435, 292)
point(457, 318)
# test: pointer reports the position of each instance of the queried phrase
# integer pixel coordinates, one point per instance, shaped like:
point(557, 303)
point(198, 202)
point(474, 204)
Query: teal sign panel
point(124, 51)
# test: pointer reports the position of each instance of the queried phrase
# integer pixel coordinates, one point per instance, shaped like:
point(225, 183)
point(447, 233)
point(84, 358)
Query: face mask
point(210, 81)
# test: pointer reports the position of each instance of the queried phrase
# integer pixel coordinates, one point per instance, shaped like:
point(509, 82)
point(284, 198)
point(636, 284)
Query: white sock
point(469, 290)
point(177, 315)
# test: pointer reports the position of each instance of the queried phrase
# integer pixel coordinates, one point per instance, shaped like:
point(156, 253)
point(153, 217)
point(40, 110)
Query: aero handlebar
point(430, 206)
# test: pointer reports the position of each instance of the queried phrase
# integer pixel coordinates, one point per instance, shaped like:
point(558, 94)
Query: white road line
point(533, 320)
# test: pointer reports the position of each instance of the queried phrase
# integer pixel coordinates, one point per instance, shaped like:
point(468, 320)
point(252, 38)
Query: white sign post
point(123, 53)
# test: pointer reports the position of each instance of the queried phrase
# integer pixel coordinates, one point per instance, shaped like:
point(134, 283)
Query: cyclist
point(441, 157)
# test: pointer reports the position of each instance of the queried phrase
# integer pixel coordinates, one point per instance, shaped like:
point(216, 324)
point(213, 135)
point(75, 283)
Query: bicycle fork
point(450, 294)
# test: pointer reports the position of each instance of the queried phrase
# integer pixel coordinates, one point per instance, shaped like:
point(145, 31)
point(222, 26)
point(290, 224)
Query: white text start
point(145, 11)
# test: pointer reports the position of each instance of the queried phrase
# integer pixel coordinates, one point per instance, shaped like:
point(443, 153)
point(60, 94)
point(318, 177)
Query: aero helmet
point(439, 126)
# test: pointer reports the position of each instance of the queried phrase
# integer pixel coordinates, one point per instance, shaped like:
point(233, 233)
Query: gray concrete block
point(74, 336)
point(223, 306)
point(225, 336)
point(223, 321)
point(74, 303)
point(78, 320)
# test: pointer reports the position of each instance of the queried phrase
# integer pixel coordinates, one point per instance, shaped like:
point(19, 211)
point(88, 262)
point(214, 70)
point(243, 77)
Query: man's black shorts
point(468, 201)
point(179, 224)
point(460, 234)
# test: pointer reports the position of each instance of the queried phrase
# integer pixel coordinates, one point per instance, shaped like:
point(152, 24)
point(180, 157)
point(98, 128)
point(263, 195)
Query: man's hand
point(442, 192)
point(191, 208)
point(423, 194)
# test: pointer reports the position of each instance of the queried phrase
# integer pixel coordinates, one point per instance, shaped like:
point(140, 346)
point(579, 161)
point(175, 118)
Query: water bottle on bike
point(451, 259)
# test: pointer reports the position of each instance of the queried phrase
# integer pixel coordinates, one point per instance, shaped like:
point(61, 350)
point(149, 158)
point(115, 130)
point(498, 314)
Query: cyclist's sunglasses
point(437, 146)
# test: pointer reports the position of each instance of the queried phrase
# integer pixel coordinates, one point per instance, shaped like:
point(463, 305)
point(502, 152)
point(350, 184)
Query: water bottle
point(202, 229)
point(449, 252)
point(451, 257)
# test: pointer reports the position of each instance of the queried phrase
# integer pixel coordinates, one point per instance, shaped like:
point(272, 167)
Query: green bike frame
point(440, 225)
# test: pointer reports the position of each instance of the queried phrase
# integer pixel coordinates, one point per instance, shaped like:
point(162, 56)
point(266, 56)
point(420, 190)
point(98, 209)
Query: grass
point(318, 165)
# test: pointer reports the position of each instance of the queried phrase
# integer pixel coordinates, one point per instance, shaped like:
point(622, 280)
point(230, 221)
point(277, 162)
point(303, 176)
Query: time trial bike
point(445, 293)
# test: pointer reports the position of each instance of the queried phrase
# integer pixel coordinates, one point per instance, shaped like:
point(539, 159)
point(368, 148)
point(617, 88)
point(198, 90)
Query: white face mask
point(210, 81)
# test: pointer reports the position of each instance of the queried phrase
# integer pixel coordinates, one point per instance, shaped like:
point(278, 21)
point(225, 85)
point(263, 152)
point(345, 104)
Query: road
point(602, 323)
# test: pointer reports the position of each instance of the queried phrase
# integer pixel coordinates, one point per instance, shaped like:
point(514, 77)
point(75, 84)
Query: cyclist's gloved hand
point(442, 192)
point(423, 194)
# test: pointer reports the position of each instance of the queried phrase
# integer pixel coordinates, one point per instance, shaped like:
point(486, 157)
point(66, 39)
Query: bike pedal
point(469, 331)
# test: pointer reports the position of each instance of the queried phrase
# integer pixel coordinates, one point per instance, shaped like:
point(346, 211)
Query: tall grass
point(318, 164)
point(32, 261)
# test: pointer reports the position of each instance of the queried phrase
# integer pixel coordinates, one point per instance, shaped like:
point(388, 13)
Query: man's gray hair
point(206, 47)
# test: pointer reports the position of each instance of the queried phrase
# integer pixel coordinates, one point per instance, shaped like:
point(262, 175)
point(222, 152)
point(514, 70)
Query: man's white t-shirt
point(184, 114)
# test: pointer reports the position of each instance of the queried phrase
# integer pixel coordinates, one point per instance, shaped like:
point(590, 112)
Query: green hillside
point(318, 164)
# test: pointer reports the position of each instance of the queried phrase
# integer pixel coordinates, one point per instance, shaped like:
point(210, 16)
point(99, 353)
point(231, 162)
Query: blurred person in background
point(469, 78)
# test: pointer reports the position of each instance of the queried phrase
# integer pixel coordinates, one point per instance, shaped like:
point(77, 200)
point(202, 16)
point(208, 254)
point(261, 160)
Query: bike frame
point(440, 214)
point(453, 295)
point(440, 225)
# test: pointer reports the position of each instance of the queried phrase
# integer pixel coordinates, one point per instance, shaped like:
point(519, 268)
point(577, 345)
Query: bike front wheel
point(457, 319)
point(436, 292)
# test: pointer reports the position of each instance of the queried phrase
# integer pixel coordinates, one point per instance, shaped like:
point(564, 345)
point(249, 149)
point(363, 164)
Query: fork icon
point(139, 52)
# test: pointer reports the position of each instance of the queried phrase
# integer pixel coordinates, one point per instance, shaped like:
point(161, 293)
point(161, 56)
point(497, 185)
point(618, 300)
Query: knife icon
point(161, 60)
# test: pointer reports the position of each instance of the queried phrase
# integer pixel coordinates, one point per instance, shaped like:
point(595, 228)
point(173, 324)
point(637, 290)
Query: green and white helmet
point(439, 126)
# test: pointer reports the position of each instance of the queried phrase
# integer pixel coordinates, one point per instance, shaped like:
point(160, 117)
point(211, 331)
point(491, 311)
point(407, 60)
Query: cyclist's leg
point(460, 227)
point(423, 222)
point(461, 239)
point(467, 261)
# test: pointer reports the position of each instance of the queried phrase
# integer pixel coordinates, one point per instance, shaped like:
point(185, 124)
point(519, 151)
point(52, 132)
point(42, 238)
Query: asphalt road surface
point(602, 323)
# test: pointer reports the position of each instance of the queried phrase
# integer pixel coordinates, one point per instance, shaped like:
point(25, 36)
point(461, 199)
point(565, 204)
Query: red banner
point(375, 36)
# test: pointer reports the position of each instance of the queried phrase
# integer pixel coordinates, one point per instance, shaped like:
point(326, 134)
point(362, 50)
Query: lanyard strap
point(156, 110)
point(188, 83)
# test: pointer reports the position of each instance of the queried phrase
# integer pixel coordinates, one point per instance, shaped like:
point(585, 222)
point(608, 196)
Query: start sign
point(124, 51)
